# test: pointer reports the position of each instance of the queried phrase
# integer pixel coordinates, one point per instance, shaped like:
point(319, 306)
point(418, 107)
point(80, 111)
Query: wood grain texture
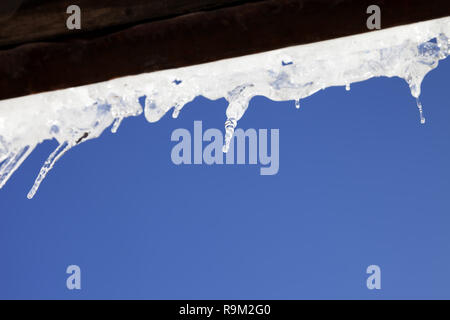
point(196, 38)
point(46, 20)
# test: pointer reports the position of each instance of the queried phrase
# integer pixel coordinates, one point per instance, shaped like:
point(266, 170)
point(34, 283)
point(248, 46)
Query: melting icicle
point(297, 104)
point(11, 163)
point(48, 165)
point(409, 52)
point(419, 106)
point(230, 125)
point(176, 111)
point(122, 108)
point(116, 125)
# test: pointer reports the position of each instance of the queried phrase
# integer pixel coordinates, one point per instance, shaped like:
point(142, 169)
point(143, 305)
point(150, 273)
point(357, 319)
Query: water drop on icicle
point(297, 104)
point(419, 106)
point(230, 124)
point(176, 112)
point(347, 87)
point(48, 165)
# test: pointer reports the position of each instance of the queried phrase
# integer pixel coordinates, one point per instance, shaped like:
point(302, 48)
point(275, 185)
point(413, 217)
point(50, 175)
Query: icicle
point(116, 125)
point(11, 163)
point(176, 111)
point(230, 124)
point(406, 52)
point(419, 106)
point(122, 108)
point(48, 165)
point(297, 104)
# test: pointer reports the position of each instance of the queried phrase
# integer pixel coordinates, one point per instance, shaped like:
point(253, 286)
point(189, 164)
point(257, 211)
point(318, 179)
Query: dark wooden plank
point(31, 20)
point(197, 38)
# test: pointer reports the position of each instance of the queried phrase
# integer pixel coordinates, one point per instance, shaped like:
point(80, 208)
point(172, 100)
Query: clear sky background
point(361, 182)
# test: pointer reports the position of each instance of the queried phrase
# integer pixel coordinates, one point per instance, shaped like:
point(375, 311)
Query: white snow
point(74, 115)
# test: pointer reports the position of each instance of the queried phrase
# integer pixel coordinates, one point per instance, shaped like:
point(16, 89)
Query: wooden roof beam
point(203, 35)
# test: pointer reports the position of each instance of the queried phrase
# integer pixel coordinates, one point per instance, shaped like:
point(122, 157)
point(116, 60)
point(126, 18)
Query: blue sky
point(360, 182)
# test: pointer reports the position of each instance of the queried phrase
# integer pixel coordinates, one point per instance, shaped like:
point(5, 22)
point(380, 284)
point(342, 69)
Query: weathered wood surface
point(24, 21)
point(194, 38)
